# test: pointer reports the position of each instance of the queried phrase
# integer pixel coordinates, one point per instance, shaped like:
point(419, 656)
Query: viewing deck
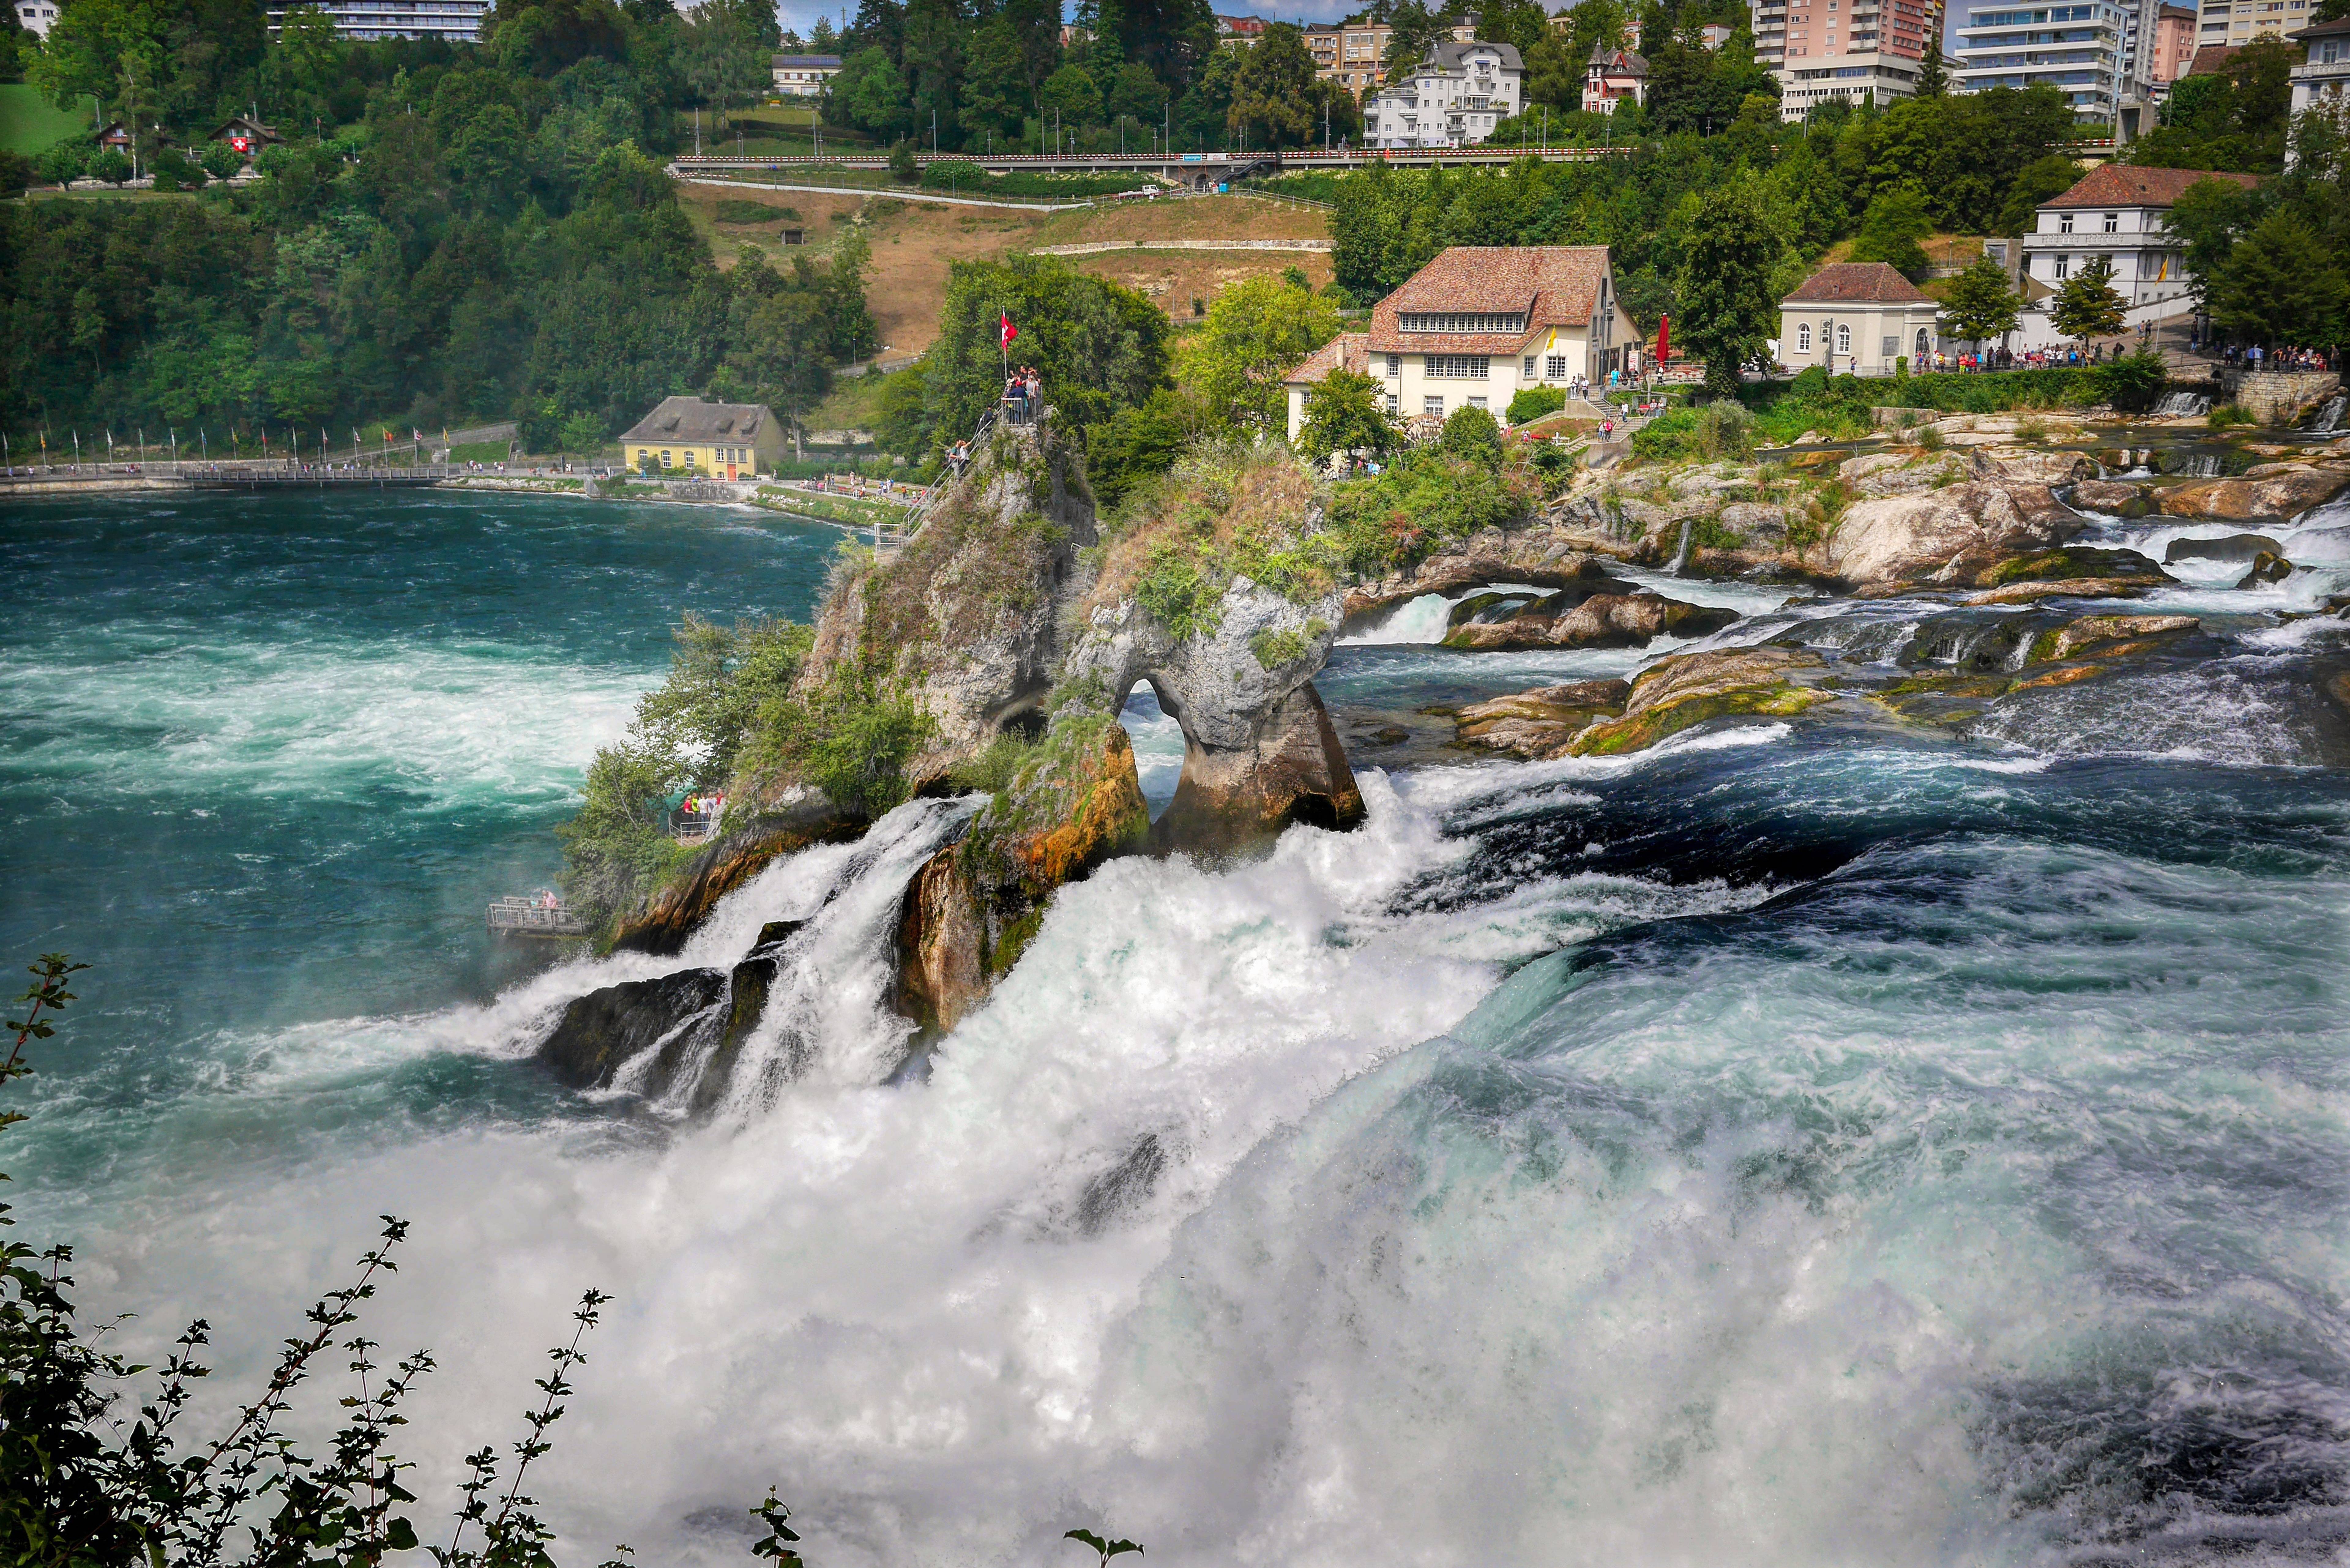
point(516, 917)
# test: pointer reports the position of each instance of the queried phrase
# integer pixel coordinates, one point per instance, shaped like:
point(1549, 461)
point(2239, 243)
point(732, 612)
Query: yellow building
point(714, 441)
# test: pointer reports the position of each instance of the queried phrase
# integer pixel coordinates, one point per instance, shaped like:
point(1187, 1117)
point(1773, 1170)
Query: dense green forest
point(468, 233)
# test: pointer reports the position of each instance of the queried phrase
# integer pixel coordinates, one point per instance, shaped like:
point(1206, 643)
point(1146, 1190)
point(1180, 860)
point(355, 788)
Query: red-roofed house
point(1348, 351)
point(1478, 323)
point(2119, 212)
point(1856, 318)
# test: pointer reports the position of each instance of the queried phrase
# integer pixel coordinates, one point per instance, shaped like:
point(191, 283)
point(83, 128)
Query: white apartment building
point(2081, 49)
point(1480, 323)
point(453, 21)
point(36, 16)
point(1856, 50)
point(2121, 213)
point(802, 76)
point(2322, 81)
point(1452, 98)
point(2236, 22)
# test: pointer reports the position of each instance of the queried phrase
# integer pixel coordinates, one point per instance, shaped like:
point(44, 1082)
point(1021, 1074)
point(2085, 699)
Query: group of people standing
point(710, 803)
point(1024, 395)
point(2257, 358)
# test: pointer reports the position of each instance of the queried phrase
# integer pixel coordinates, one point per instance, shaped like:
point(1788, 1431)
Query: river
point(1776, 1149)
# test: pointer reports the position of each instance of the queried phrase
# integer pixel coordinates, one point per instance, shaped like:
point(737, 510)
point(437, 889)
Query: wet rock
point(2061, 588)
point(604, 1029)
point(2111, 636)
point(776, 931)
point(974, 905)
point(1689, 689)
point(2284, 491)
point(1540, 724)
point(1549, 555)
point(2266, 568)
point(1292, 770)
point(1949, 536)
point(2113, 497)
point(1757, 522)
point(747, 989)
point(2073, 562)
point(2228, 548)
point(1600, 621)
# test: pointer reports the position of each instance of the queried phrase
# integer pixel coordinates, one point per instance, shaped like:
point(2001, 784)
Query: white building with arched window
point(1856, 318)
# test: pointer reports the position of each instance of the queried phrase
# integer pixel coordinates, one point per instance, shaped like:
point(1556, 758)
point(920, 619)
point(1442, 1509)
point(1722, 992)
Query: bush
point(742, 212)
point(1534, 402)
point(174, 171)
point(110, 164)
point(969, 180)
point(1472, 433)
point(851, 737)
point(2228, 415)
point(221, 161)
point(63, 164)
point(903, 164)
point(15, 173)
point(2133, 383)
point(1811, 382)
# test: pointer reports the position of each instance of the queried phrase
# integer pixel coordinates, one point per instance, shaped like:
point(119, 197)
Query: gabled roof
point(691, 420)
point(2211, 58)
point(1448, 55)
point(1551, 286)
point(1858, 283)
point(2337, 28)
point(2129, 185)
point(1619, 62)
point(1348, 351)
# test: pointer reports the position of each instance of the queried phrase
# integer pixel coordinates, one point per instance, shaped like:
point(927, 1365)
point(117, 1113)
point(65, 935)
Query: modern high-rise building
point(2083, 50)
point(457, 21)
point(1823, 50)
point(2242, 21)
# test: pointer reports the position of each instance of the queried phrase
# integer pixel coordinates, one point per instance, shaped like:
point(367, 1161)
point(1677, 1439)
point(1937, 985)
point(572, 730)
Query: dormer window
point(1461, 321)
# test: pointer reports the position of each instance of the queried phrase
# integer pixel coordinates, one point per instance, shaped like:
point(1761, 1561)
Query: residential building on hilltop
point(1857, 318)
point(714, 441)
point(1612, 75)
point(36, 16)
point(2242, 21)
point(451, 21)
point(1239, 29)
point(1855, 50)
point(1454, 97)
point(1479, 324)
point(2082, 50)
point(1350, 54)
point(2322, 81)
point(2119, 212)
point(2174, 44)
point(803, 76)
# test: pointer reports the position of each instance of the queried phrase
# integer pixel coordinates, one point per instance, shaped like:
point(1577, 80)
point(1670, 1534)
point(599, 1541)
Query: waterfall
point(2183, 406)
point(2328, 419)
point(1681, 555)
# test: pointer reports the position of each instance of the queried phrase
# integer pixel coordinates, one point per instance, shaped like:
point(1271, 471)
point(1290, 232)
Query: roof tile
point(1554, 285)
point(2130, 186)
point(1860, 282)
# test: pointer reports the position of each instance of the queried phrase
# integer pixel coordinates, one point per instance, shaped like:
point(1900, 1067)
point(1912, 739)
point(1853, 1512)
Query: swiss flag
point(1004, 331)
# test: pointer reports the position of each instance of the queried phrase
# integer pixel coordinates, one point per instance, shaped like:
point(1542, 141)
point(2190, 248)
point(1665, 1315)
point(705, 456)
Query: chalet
point(1612, 75)
point(1856, 318)
point(246, 135)
point(1478, 323)
point(713, 440)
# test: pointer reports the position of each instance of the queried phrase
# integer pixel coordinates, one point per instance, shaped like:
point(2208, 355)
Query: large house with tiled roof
point(2120, 212)
point(1480, 322)
point(1856, 318)
point(1348, 351)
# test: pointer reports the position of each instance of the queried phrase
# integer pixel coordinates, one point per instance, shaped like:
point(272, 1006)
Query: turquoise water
point(269, 757)
point(1784, 1147)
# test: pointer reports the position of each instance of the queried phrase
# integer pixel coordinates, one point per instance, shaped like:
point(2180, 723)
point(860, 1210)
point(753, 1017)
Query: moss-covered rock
point(1688, 689)
point(1541, 724)
point(2110, 636)
point(2072, 563)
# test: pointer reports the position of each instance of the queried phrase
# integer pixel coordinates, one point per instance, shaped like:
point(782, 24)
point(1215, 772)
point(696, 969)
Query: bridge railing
point(894, 535)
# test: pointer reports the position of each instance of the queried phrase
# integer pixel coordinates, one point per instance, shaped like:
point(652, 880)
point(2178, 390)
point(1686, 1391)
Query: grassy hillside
point(30, 124)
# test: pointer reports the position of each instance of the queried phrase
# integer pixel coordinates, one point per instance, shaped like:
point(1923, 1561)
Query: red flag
point(1664, 338)
point(1004, 331)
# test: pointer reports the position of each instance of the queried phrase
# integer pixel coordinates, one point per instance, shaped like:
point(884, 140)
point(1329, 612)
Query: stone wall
point(2279, 397)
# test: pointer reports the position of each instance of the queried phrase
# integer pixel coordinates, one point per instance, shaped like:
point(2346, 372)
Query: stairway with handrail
point(895, 536)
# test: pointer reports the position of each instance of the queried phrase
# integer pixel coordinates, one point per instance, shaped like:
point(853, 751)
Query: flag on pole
point(1004, 331)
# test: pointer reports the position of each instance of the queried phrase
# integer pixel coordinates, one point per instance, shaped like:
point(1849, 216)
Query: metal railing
point(526, 918)
point(892, 536)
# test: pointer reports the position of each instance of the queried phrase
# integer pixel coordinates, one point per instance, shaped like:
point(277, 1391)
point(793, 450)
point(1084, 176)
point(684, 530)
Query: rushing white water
point(2182, 405)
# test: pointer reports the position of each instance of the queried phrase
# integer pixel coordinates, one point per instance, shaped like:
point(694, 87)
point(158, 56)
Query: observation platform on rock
point(517, 917)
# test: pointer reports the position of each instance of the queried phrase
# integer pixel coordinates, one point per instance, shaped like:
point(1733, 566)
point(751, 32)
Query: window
point(1394, 403)
point(2061, 267)
point(1476, 402)
point(1804, 339)
point(2113, 223)
point(664, 459)
point(1530, 366)
point(1556, 370)
point(1463, 321)
point(1458, 367)
point(1433, 404)
point(2063, 223)
point(1921, 340)
point(1395, 364)
point(1844, 339)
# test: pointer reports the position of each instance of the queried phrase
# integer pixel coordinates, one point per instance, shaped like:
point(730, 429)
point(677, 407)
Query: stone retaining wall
point(2281, 397)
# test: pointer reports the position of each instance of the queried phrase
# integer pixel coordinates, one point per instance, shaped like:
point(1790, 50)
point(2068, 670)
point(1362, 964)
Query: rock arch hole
point(1158, 745)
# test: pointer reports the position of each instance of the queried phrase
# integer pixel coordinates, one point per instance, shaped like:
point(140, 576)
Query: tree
point(1889, 232)
point(1256, 331)
point(221, 161)
point(1980, 306)
point(1274, 102)
point(1933, 76)
point(1099, 346)
point(1728, 310)
point(870, 95)
point(1135, 94)
point(2209, 217)
point(1474, 435)
point(1346, 411)
point(2087, 306)
point(64, 163)
point(2280, 284)
point(995, 94)
point(2044, 178)
point(110, 164)
point(1070, 95)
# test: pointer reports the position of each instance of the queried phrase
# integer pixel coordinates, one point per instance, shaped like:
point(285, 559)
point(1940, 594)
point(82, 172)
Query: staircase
point(892, 536)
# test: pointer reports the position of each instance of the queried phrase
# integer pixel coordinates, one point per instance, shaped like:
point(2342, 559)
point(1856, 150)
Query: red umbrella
point(1664, 338)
